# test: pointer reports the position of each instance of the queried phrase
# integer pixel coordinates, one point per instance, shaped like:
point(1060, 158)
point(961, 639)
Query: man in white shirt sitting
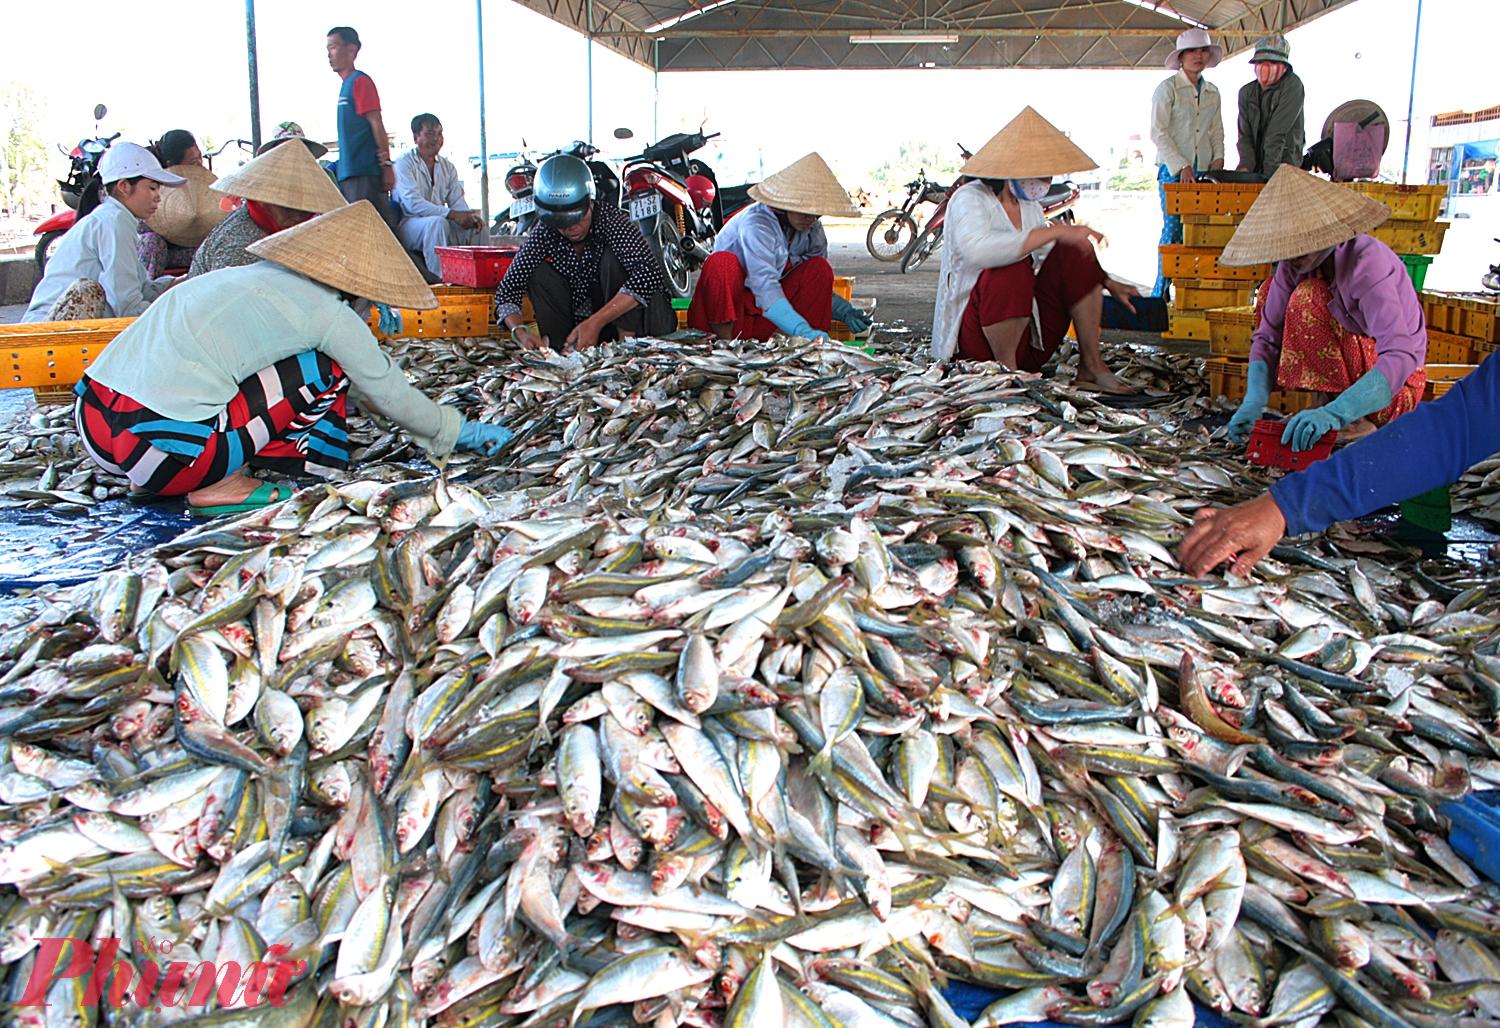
point(431, 198)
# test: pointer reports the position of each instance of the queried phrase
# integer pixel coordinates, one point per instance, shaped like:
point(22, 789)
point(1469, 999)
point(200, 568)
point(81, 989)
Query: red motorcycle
point(1057, 207)
point(675, 200)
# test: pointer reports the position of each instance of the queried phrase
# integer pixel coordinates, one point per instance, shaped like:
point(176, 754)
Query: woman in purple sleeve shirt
point(1339, 316)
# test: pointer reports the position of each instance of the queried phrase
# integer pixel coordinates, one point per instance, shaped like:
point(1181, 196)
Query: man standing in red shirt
point(365, 171)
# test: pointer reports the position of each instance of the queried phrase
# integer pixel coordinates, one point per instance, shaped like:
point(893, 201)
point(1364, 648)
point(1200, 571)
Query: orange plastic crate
point(1229, 331)
point(1447, 348)
point(1210, 197)
point(1199, 262)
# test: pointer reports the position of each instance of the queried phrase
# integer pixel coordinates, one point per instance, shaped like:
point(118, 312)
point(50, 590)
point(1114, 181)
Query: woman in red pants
point(1010, 283)
point(769, 271)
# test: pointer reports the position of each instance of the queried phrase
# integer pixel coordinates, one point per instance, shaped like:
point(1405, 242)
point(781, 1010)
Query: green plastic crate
point(681, 303)
point(1416, 266)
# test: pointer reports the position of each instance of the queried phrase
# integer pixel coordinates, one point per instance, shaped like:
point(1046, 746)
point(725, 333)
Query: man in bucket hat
point(1186, 126)
point(1271, 131)
point(253, 365)
point(769, 271)
point(1339, 316)
point(1010, 284)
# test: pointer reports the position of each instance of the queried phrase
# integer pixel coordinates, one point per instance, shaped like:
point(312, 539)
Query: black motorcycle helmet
point(564, 190)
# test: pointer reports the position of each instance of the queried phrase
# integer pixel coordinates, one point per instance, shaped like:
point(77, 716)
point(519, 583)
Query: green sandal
point(265, 494)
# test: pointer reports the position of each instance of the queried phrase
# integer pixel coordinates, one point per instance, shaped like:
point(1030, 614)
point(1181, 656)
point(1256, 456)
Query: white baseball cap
point(131, 160)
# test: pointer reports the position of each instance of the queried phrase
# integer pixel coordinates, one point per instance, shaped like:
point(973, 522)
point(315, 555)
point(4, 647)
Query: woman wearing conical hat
point(282, 187)
point(1339, 316)
point(252, 366)
point(1010, 283)
point(769, 271)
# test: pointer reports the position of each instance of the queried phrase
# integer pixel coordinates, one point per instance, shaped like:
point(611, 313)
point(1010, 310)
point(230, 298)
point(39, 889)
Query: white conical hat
point(287, 176)
point(187, 215)
point(1029, 147)
point(1297, 214)
point(352, 249)
point(807, 186)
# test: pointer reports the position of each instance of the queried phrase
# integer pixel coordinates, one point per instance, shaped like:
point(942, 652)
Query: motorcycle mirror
point(100, 111)
point(624, 133)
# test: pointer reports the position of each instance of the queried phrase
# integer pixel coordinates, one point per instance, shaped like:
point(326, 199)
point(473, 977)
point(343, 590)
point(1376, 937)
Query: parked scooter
point(675, 201)
point(520, 217)
point(84, 164)
point(892, 231)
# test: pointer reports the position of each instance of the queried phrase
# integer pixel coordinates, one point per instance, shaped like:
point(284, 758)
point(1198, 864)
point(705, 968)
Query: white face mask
point(1030, 188)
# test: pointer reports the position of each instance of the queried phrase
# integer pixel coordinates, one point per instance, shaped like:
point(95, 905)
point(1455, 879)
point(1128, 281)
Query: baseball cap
point(131, 160)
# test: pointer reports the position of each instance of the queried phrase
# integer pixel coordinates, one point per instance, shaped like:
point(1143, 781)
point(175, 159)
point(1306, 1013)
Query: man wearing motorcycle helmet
point(769, 271)
point(586, 267)
point(1010, 284)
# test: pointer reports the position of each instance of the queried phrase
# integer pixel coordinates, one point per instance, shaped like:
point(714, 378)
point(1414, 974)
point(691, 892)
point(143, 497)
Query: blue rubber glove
point(849, 314)
point(785, 317)
point(1257, 392)
point(1366, 396)
point(487, 439)
point(1474, 833)
point(390, 320)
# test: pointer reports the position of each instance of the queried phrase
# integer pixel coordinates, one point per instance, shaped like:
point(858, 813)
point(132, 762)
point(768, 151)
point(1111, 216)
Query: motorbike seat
point(668, 148)
point(1057, 191)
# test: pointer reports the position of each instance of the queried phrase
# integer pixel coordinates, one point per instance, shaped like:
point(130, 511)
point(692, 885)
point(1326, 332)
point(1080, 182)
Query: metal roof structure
point(744, 35)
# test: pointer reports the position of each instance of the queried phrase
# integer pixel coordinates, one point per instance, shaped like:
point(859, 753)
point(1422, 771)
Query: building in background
point(1462, 148)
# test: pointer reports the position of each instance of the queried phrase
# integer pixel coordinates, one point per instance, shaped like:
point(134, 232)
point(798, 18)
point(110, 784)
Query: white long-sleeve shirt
point(977, 234)
point(100, 247)
point(1187, 124)
point(424, 194)
point(186, 357)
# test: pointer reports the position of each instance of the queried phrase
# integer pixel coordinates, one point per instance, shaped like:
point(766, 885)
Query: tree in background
point(941, 164)
point(24, 180)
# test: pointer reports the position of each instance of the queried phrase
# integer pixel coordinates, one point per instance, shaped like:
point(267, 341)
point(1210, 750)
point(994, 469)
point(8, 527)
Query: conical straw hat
point(1029, 147)
point(1297, 214)
point(350, 249)
point(284, 175)
point(187, 215)
point(807, 187)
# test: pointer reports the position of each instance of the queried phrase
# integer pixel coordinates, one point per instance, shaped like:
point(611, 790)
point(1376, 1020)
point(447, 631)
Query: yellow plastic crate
point(1207, 293)
point(1479, 320)
point(1447, 348)
point(1416, 237)
point(1229, 331)
point(1447, 372)
point(52, 355)
point(1210, 197)
point(454, 317)
point(1441, 312)
point(1290, 401)
point(1198, 262)
point(1407, 203)
point(1226, 377)
point(1187, 325)
point(1207, 235)
point(844, 286)
point(1483, 351)
point(1436, 388)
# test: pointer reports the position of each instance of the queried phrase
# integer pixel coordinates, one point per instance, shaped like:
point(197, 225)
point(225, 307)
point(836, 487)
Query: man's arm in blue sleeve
point(1430, 447)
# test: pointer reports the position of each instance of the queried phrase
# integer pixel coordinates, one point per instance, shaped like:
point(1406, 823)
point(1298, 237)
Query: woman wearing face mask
point(95, 272)
point(252, 366)
point(1010, 283)
point(1339, 316)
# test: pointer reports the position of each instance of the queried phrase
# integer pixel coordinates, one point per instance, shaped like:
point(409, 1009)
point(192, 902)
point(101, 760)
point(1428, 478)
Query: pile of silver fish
point(766, 685)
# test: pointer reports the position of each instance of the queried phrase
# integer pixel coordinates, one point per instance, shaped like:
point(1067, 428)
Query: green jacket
point(1271, 125)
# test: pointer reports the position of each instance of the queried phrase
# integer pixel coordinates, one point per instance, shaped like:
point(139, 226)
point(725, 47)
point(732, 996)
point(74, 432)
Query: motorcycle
point(84, 164)
point(1491, 278)
point(675, 200)
point(1057, 208)
point(892, 231)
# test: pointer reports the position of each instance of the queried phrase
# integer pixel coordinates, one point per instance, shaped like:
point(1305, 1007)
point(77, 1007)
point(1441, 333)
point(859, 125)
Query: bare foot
point(1355, 430)
point(1103, 381)
point(234, 489)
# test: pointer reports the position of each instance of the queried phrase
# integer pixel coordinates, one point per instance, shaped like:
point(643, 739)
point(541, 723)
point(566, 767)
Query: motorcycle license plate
point(643, 207)
point(522, 205)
